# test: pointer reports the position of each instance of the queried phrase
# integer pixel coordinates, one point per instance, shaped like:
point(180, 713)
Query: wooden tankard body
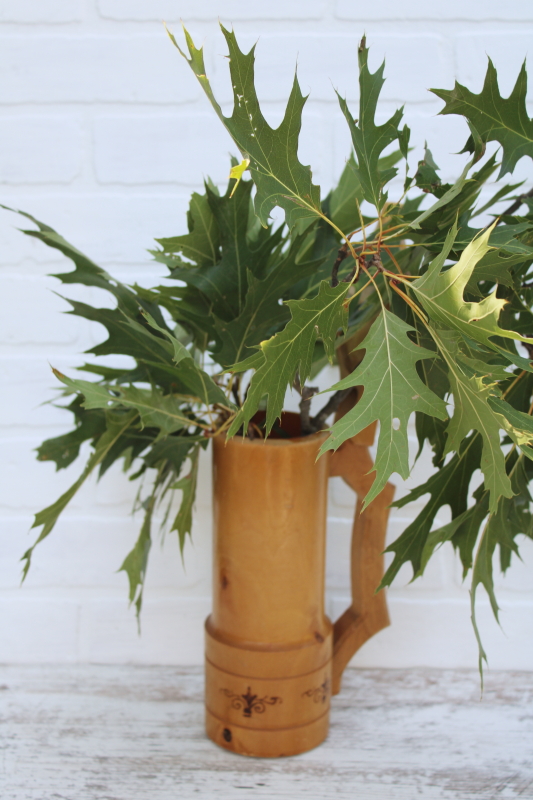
point(273, 658)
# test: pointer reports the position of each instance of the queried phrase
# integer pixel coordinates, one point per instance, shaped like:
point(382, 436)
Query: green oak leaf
point(434, 374)
point(65, 449)
point(441, 293)
point(117, 425)
point(170, 452)
point(128, 332)
point(136, 562)
point(188, 373)
point(183, 521)
point(180, 352)
point(225, 283)
point(188, 307)
point(511, 518)
point(291, 351)
point(130, 445)
point(262, 312)
point(456, 201)
point(128, 335)
point(463, 530)
point(280, 178)
point(154, 408)
point(370, 140)
point(516, 511)
point(499, 194)
point(478, 407)
point(447, 487)
point(343, 199)
point(493, 268)
point(201, 245)
point(517, 424)
point(473, 358)
point(504, 237)
point(173, 450)
point(427, 177)
point(392, 392)
point(474, 144)
point(496, 119)
point(254, 361)
point(87, 273)
point(445, 199)
point(473, 412)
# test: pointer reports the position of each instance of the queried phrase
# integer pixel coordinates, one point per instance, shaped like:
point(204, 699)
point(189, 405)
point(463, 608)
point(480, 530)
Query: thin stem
point(363, 226)
point(518, 378)
point(387, 250)
point(341, 255)
point(308, 392)
point(409, 302)
point(358, 292)
point(514, 206)
point(375, 286)
point(341, 234)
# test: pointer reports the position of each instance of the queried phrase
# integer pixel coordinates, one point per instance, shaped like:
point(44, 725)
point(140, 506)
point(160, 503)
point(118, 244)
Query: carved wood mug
point(273, 658)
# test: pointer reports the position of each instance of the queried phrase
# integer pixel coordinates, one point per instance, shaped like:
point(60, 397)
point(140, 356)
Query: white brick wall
point(40, 149)
point(231, 10)
point(453, 11)
point(91, 68)
point(103, 134)
point(30, 11)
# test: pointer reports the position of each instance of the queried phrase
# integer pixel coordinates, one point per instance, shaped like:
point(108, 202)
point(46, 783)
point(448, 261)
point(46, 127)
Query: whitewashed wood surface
point(136, 733)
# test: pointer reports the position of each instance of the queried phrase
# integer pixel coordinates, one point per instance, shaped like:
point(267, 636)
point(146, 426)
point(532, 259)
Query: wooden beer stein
point(273, 658)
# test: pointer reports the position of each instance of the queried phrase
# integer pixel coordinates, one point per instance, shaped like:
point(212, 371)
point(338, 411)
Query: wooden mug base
point(265, 743)
point(268, 700)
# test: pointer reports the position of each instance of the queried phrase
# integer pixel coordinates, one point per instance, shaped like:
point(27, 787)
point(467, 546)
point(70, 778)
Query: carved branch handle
point(368, 612)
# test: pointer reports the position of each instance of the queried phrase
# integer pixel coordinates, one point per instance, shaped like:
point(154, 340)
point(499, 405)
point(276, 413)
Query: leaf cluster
point(433, 288)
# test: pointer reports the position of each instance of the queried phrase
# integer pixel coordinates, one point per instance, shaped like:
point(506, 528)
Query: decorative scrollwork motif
point(321, 693)
point(250, 703)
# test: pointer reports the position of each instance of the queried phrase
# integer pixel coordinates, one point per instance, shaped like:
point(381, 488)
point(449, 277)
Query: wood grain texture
point(269, 503)
point(268, 640)
point(137, 733)
point(368, 612)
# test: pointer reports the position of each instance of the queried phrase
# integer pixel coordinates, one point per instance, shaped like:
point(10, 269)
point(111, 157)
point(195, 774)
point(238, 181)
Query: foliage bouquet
point(435, 306)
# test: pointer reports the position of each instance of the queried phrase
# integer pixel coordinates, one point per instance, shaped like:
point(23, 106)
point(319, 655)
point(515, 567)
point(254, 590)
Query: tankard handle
point(368, 612)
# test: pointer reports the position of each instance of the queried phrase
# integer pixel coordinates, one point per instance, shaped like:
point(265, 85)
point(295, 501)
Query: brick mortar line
point(108, 26)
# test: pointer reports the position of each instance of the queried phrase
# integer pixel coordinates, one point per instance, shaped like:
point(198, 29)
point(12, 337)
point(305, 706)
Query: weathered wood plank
point(136, 733)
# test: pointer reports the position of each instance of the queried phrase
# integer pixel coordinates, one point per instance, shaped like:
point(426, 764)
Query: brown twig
point(235, 389)
point(349, 278)
point(331, 406)
point(516, 205)
point(375, 261)
point(341, 255)
point(307, 393)
point(254, 431)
